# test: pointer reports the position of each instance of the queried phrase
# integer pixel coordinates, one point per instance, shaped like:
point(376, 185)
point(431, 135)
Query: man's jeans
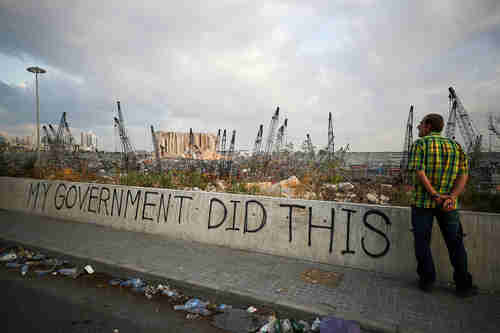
point(451, 229)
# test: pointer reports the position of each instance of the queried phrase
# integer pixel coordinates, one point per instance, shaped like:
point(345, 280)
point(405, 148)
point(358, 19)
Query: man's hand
point(448, 202)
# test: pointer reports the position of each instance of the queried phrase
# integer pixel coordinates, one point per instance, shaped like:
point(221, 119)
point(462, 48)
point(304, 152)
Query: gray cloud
point(209, 65)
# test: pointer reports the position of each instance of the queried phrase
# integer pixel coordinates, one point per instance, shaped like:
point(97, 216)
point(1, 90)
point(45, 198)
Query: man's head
point(432, 122)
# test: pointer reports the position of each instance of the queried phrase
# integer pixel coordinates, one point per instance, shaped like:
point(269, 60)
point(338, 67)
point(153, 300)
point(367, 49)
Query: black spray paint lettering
point(213, 226)
point(182, 197)
point(162, 205)
point(147, 204)
point(134, 201)
point(105, 200)
point(60, 196)
point(369, 226)
point(348, 231)
point(92, 197)
point(290, 214)
point(33, 191)
point(71, 204)
point(82, 201)
point(115, 200)
point(331, 228)
point(46, 188)
point(235, 203)
point(262, 222)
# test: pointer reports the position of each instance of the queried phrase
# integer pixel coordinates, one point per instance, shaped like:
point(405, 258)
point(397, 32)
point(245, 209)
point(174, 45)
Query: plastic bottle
point(223, 307)
point(67, 271)
point(24, 269)
point(8, 256)
point(169, 293)
point(13, 265)
point(200, 310)
point(315, 325)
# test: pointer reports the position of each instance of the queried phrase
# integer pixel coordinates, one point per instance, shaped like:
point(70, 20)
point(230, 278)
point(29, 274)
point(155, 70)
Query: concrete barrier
point(370, 237)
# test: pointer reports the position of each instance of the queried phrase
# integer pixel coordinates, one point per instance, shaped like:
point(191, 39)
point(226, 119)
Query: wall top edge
point(466, 212)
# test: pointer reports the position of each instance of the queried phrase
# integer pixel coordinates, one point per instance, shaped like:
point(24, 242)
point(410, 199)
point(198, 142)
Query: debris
point(41, 272)
point(115, 282)
point(150, 291)
point(68, 271)
point(286, 326)
point(8, 256)
point(89, 269)
point(169, 293)
point(345, 186)
point(315, 325)
point(251, 309)
point(13, 265)
point(238, 320)
point(338, 325)
point(196, 306)
point(24, 269)
point(134, 282)
point(192, 316)
point(372, 198)
point(223, 307)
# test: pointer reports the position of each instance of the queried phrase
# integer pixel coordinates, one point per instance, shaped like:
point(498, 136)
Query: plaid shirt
point(442, 160)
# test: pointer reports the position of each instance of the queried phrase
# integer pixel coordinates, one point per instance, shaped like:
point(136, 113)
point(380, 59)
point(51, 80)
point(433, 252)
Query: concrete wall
point(369, 237)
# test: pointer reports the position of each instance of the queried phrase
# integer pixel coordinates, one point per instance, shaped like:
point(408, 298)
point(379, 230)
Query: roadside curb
point(213, 291)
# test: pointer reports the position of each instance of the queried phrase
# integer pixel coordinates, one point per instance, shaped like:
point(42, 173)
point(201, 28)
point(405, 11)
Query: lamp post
point(36, 71)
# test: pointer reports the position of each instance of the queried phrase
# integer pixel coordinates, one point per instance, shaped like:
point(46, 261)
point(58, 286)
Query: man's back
point(442, 159)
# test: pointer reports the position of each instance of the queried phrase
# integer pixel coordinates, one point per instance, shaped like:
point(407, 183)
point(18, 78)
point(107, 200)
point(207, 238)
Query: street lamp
point(36, 71)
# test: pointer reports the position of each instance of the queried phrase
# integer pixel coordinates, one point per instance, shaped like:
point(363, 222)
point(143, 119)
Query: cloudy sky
point(228, 64)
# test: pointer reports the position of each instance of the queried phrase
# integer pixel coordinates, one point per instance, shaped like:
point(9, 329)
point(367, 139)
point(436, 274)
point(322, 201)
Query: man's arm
point(422, 177)
point(458, 189)
point(459, 186)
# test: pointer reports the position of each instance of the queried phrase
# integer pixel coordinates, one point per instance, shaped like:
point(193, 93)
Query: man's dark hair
point(436, 122)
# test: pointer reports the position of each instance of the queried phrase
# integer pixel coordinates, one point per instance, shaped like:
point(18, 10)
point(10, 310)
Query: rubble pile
point(224, 316)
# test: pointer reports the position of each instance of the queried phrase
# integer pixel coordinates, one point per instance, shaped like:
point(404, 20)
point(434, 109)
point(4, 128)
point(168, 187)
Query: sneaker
point(425, 286)
point(467, 292)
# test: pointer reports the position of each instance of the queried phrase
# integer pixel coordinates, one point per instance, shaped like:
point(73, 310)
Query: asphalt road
point(62, 304)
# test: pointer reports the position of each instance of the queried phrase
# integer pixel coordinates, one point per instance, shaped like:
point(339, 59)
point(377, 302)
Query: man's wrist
point(435, 196)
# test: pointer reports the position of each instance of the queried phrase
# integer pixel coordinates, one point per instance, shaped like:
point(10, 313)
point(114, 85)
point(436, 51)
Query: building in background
point(88, 141)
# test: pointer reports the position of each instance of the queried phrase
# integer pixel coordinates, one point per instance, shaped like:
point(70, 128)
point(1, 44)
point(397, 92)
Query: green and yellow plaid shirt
point(442, 160)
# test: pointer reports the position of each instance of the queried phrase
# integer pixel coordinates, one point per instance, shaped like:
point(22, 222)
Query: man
point(440, 171)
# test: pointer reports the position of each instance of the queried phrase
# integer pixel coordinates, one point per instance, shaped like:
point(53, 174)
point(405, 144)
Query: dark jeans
point(451, 229)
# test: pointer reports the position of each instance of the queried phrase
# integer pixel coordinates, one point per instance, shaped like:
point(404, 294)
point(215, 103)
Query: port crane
point(458, 115)
point(128, 152)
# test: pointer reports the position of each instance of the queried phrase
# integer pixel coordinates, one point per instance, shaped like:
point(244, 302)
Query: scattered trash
point(115, 282)
point(306, 327)
point(251, 309)
point(39, 256)
point(67, 271)
point(43, 272)
point(239, 320)
point(138, 290)
point(223, 307)
point(236, 320)
point(8, 256)
point(13, 265)
point(196, 306)
point(24, 269)
point(150, 291)
point(135, 282)
point(89, 269)
point(338, 325)
point(286, 325)
point(169, 293)
point(315, 325)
